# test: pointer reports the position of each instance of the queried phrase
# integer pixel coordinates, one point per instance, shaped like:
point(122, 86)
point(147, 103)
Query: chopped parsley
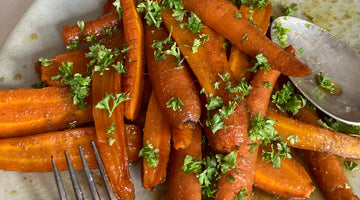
point(283, 152)
point(350, 165)
point(339, 126)
point(45, 62)
point(104, 103)
point(293, 138)
point(242, 194)
point(117, 5)
point(39, 85)
point(73, 45)
point(307, 25)
point(267, 84)
point(102, 57)
point(243, 87)
point(152, 11)
point(230, 178)
point(108, 131)
point(347, 186)
point(175, 103)
point(150, 154)
point(81, 25)
point(289, 10)
point(288, 99)
point(280, 33)
point(256, 3)
point(194, 23)
point(301, 50)
point(260, 61)
point(173, 4)
point(179, 14)
point(237, 15)
point(245, 37)
point(325, 82)
point(262, 129)
point(198, 42)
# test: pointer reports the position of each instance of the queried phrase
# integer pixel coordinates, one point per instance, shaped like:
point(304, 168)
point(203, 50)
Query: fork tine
point(59, 184)
point(75, 183)
point(102, 172)
point(90, 180)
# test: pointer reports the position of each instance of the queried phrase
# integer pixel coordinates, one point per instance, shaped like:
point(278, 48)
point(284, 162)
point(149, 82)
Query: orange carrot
point(325, 167)
point(169, 82)
point(94, 27)
point(181, 138)
point(259, 16)
point(132, 82)
point(156, 133)
point(109, 7)
point(239, 62)
point(31, 111)
point(134, 141)
point(112, 141)
point(290, 181)
point(220, 15)
point(182, 185)
point(316, 138)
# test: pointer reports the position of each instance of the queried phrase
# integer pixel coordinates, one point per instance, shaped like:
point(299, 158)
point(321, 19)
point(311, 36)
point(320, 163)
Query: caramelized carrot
point(157, 133)
point(243, 176)
point(108, 7)
point(181, 138)
point(210, 61)
point(113, 153)
point(325, 167)
point(316, 138)
point(31, 111)
point(183, 186)
point(94, 27)
point(170, 81)
point(239, 62)
point(134, 141)
point(259, 16)
point(220, 15)
point(132, 82)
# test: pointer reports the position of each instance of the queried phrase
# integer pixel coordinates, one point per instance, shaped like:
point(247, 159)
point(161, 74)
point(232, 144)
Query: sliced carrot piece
point(182, 185)
point(220, 15)
point(108, 7)
point(134, 141)
point(113, 153)
point(132, 82)
point(259, 16)
point(181, 138)
point(239, 62)
point(31, 111)
point(156, 133)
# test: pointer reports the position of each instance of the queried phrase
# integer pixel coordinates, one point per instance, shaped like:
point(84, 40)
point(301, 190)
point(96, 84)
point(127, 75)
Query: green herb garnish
point(175, 103)
point(104, 103)
point(150, 154)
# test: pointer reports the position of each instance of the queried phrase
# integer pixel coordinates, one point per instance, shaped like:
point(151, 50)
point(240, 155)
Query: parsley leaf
point(104, 103)
point(260, 61)
point(293, 138)
point(175, 103)
point(150, 154)
point(289, 10)
point(339, 126)
point(237, 15)
point(194, 23)
point(102, 57)
point(173, 4)
point(39, 85)
point(325, 82)
point(73, 45)
point(256, 3)
point(280, 33)
point(283, 152)
point(245, 37)
point(262, 129)
point(152, 12)
point(45, 62)
point(117, 5)
point(349, 165)
point(242, 194)
point(191, 165)
point(288, 99)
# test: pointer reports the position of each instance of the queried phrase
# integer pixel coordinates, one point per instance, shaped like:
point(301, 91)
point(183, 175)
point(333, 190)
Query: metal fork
point(75, 183)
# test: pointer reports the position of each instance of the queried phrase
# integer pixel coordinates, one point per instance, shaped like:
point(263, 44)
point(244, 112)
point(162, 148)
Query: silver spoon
point(325, 54)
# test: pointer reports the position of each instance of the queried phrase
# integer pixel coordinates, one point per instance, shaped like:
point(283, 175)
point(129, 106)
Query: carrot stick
point(169, 81)
point(108, 7)
point(325, 167)
point(112, 144)
point(132, 82)
point(220, 15)
point(183, 186)
point(181, 138)
point(33, 153)
point(94, 27)
point(238, 62)
point(259, 16)
point(316, 138)
point(30, 111)
point(290, 181)
point(157, 133)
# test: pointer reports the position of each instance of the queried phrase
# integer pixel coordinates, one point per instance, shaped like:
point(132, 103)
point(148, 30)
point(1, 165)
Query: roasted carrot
point(243, 176)
point(181, 138)
point(325, 167)
point(290, 181)
point(134, 141)
point(94, 27)
point(132, 83)
point(109, 7)
point(157, 133)
point(259, 16)
point(220, 15)
point(170, 81)
point(30, 111)
point(207, 64)
point(183, 186)
point(238, 62)
point(316, 138)
point(112, 141)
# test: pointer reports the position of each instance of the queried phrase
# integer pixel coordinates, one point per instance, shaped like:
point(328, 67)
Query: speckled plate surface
point(26, 36)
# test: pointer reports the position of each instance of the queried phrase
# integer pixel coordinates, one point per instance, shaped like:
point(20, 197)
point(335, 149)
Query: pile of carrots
point(167, 106)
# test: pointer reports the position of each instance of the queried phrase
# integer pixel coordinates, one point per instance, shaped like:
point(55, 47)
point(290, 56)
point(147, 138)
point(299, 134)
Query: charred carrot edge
point(33, 153)
point(182, 185)
point(182, 85)
point(210, 61)
point(79, 66)
point(315, 138)
point(114, 156)
point(181, 138)
point(157, 132)
point(325, 167)
point(243, 176)
point(108, 7)
point(220, 15)
point(290, 181)
point(238, 60)
point(31, 111)
point(94, 27)
point(132, 82)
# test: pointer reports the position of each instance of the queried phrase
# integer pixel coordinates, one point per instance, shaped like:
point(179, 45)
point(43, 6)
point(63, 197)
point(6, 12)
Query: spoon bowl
point(331, 57)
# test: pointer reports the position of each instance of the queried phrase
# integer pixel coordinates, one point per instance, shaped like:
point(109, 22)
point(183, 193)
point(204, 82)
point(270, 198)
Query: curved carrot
point(325, 167)
point(114, 155)
point(315, 138)
point(169, 81)
point(220, 15)
point(132, 83)
point(31, 111)
point(157, 133)
point(181, 138)
point(94, 27)
point(183, 186)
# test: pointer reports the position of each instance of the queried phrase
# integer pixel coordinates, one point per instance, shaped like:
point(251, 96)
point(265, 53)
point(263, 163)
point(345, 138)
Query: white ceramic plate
point(27, 36)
